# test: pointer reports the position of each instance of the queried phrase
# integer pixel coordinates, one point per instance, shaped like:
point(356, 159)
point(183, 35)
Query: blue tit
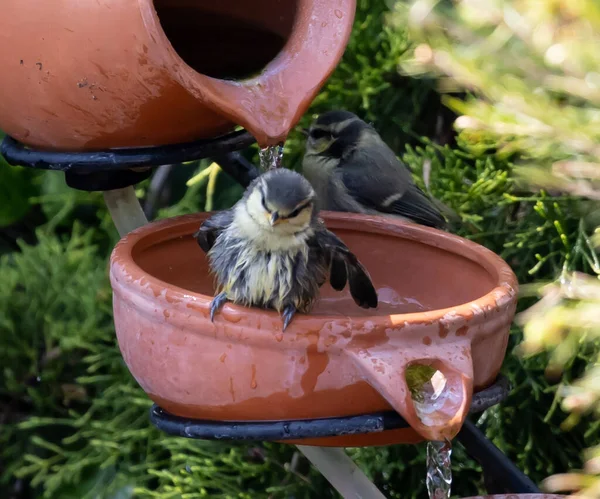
point(271, 250)
point(353, 170)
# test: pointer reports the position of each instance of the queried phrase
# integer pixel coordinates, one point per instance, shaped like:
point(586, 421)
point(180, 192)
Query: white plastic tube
point(125, 209)
point(341, 472)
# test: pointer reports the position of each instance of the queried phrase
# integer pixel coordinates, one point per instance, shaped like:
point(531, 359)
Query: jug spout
point(268, 62)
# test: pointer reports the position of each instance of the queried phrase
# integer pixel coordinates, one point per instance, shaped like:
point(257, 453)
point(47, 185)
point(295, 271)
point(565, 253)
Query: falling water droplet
point(439, 471)
point(253, 383)
point(270, 157)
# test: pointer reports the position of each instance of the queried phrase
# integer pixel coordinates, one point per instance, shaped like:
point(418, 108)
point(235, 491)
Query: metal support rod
point(238, 167)
point(347, 478)
point(341, 472)
point(500, 473)
point(155, 190)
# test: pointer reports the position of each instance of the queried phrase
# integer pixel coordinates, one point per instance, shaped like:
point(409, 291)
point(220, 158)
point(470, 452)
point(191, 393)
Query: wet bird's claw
point(216, 305)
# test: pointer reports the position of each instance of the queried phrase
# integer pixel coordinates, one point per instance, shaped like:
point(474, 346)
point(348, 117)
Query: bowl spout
point(438, 413)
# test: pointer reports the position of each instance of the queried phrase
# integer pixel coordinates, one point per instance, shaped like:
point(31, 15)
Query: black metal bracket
point(238, 167)
point(500, 474)
point(118, 168)
point(300, 429)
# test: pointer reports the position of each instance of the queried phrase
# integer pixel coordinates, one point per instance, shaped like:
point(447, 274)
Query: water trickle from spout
point(270, 157)
point(439, 471)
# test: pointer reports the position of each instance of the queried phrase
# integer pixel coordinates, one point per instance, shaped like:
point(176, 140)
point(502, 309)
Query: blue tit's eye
point(319, 133)
point(294, 213)
point(297, 211)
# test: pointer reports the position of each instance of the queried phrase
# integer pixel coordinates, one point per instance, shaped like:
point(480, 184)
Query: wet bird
point(271, 250)
point(353, 170)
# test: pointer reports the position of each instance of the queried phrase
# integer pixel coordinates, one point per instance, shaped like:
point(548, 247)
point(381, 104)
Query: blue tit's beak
point(274, 219)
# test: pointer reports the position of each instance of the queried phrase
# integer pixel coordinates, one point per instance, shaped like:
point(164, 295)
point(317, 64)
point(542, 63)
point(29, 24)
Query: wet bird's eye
point(294, 213)
point(297, 211)
point(319, 133)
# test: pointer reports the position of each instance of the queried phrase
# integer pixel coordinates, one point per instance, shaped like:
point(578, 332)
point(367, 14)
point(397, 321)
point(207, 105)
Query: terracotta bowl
point(444, 302)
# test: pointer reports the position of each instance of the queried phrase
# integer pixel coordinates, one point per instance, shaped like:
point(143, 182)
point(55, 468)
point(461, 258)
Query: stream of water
point(439, 472)
point(270, 157)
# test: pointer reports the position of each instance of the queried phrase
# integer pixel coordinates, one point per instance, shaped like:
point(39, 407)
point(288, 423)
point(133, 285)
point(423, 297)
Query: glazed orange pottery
point(444, 302)
point(79, 75)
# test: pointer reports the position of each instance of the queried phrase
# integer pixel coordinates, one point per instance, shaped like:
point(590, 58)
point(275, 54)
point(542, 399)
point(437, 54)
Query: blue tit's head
point(334, 133)
point(282, 201)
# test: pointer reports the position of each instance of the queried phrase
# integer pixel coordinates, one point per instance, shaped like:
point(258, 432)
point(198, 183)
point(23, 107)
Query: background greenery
point(73, 421)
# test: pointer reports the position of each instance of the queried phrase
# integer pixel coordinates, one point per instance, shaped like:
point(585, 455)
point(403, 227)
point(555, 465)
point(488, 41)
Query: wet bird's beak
point(274, 219)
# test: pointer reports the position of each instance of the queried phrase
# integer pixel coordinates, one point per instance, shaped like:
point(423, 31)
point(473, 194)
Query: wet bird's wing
point(211, 228)
point(376, 179)
point(344, 267)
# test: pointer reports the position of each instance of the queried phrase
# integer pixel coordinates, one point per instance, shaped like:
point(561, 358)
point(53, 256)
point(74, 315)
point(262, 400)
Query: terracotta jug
point(444, 301)
point(124, 73)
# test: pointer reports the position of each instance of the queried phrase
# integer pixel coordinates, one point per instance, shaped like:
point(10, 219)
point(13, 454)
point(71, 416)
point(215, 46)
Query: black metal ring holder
point(119, 168)
point(310, 428)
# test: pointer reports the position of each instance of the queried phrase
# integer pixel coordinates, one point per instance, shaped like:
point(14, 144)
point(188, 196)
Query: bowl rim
point(125, 271)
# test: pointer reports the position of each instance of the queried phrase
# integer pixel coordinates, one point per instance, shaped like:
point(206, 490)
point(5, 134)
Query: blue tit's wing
point(344, 267)
point(211, 228)
point(376, 179)
point(337, 273)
